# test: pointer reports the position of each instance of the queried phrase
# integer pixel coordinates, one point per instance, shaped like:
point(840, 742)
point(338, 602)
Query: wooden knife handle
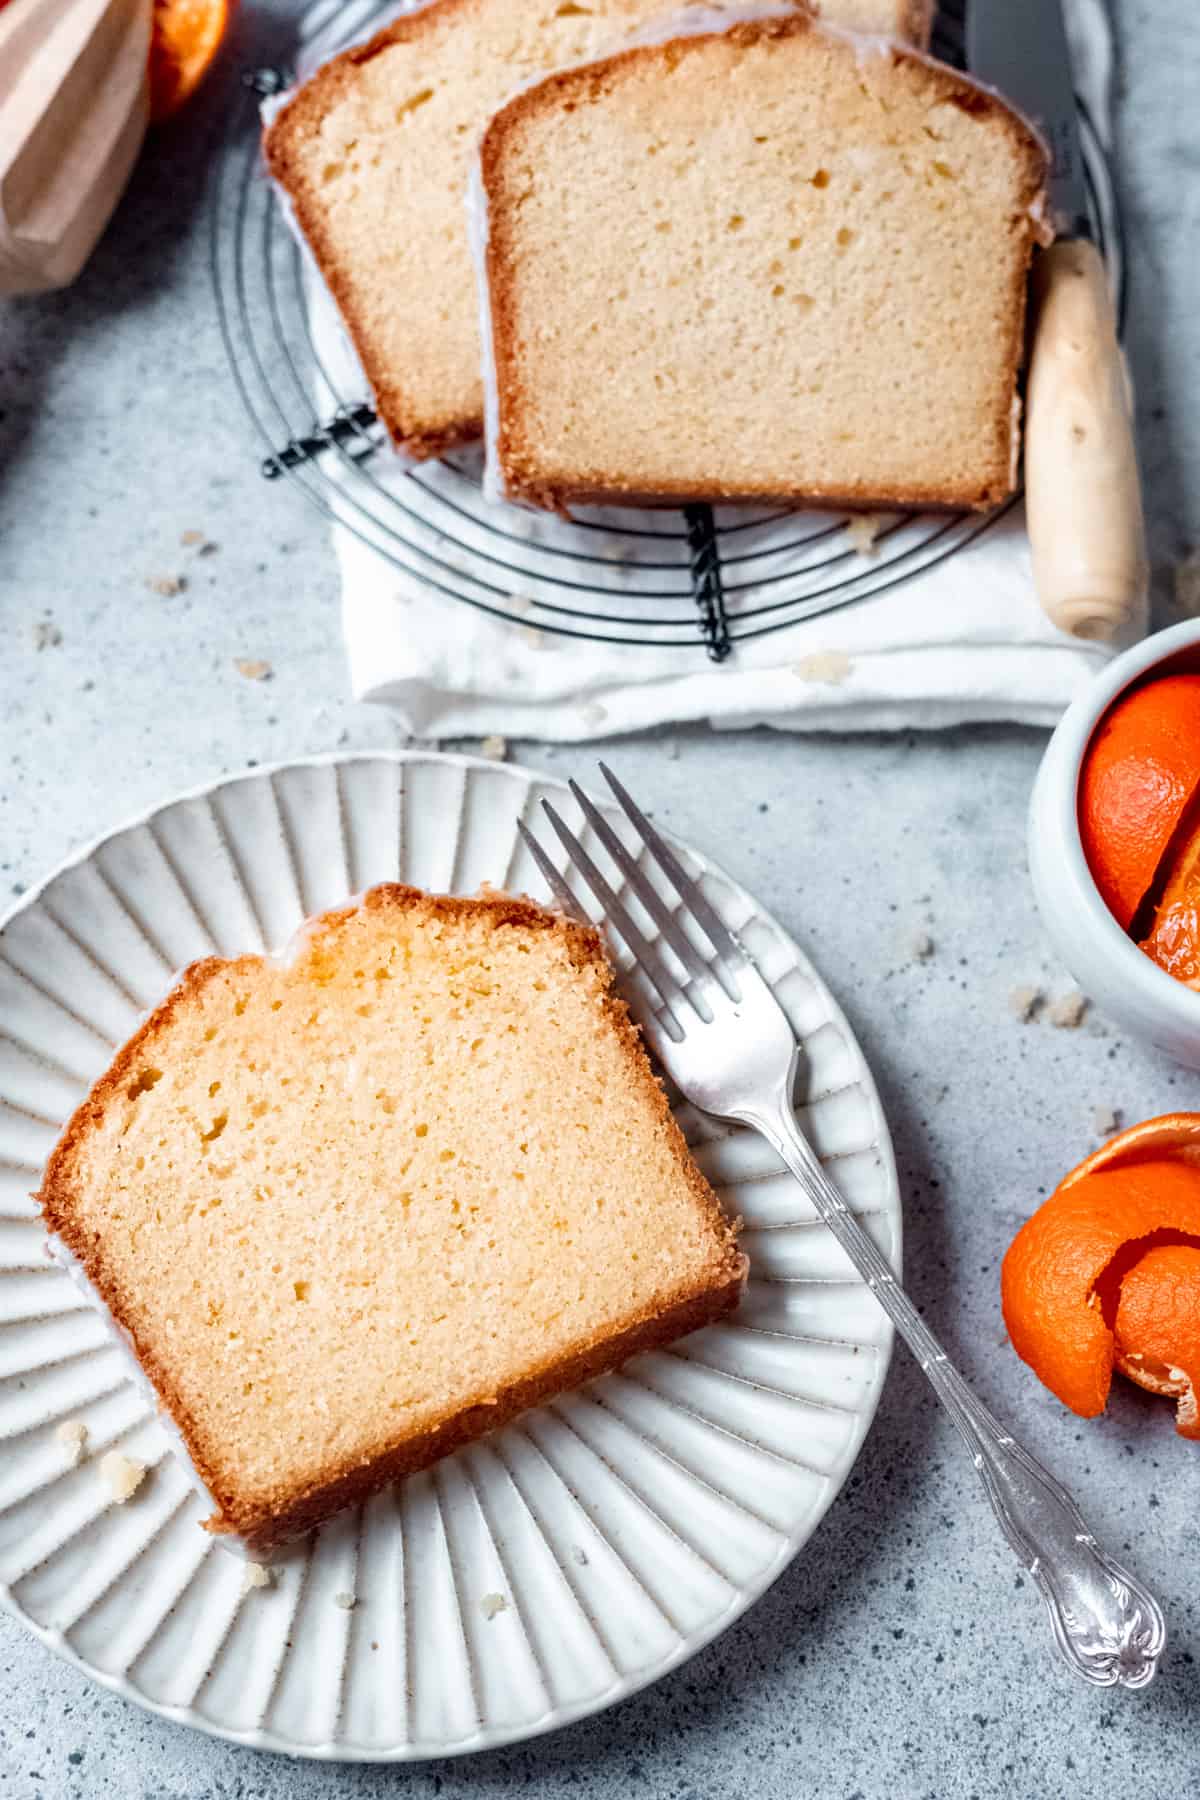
point(1082, 493)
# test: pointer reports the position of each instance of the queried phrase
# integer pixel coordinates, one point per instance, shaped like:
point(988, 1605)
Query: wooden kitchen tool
point(73, 112)
point(1082, 495)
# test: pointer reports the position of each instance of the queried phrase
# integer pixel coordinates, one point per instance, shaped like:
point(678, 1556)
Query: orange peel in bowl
point(1107, 1272)
point(1173, 940)
point(1140, 777)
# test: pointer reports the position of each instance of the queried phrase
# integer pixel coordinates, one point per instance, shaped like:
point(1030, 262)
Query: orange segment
point(185, 38)
point(1157, 1329)
point(1141, 771)
point(1174, 937)
point(1052, 1279)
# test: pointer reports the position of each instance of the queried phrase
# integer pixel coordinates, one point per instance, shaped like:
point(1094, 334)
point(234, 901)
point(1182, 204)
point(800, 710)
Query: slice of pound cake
point(772, 261)
point(354, 1208)
point(374, 153)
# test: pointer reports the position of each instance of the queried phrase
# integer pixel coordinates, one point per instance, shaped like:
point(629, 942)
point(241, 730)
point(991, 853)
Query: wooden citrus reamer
point(1082, 493)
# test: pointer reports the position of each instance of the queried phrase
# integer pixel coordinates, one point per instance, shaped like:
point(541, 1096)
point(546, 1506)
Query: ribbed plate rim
point(748, 1592)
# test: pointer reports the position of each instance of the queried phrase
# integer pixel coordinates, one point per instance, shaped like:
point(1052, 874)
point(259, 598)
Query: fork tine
point(649, 896)
point(617, 916)
point(718, 933)
point(551, 876)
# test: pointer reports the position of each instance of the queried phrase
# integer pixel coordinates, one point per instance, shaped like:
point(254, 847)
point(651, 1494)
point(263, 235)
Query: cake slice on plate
point(374, 152)
point(769, 262)
point(354, 1208)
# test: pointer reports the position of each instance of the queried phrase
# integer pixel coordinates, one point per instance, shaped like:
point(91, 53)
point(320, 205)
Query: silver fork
point(725, 1042)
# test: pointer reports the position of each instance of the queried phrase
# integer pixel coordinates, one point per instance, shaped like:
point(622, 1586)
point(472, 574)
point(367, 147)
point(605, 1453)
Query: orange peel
point(1157, 1329)
point(1173, 1137)
point(185, 37)
point(1139, 778)
point(1118, 1222)
point(1173, 941)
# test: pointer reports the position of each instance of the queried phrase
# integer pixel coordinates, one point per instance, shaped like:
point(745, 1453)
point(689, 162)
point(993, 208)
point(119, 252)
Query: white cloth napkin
point(964, 640)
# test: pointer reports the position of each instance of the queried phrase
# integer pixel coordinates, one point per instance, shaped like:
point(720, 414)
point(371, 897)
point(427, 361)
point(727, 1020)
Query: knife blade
point(1021, 48)
point(1082, 493)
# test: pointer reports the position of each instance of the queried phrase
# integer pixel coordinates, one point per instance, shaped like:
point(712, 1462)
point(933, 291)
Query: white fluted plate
point(619, 1528)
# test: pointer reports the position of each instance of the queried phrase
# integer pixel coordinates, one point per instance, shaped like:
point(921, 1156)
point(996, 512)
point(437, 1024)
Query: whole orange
point(1141, 771)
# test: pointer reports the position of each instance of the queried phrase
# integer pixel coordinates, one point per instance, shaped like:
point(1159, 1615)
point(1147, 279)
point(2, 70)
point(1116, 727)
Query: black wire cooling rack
point(706, 577)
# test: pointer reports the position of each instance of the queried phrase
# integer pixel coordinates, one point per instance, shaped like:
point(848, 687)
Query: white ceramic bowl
point(1107, 964)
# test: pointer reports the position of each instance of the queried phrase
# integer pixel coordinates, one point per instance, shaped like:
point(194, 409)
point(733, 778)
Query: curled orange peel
point(1140, 776)
point(1107, 1272)
point(1174, 1136)
point(1157, 1329)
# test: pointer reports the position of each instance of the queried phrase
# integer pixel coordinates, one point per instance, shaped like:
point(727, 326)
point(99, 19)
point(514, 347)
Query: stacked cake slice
point(733, 255)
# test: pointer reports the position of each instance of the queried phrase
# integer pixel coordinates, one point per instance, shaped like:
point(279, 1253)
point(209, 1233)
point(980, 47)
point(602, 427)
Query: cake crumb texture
point(374, 153)
point(793, 267)
point(1068, 1011)
point(72, 1434)
point(358, 1205)
point(122, 1475)
point(862, 531)
point(830, 667)
point(1026, 1002)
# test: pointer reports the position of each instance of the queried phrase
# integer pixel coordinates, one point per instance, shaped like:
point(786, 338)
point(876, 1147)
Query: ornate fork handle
point(1106, 1624)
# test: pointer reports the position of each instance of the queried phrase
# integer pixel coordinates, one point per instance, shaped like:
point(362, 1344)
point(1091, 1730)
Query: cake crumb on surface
point(1024, 1003)
point(46, 635)
point(1106, 1120)
point(256, 1575)
point(166, 585)
point(1067, 1013)
point(494, 747)
point(921, 945)
point(253, 668)
point(863, 530)
point(491, 1604)
point(579, 1555)
point(122, 1475)
point(345, 1600)
point(829, 666)
point(73, 1434)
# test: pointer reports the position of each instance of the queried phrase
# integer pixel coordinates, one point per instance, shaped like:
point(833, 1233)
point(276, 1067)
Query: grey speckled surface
point(903, 1656)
